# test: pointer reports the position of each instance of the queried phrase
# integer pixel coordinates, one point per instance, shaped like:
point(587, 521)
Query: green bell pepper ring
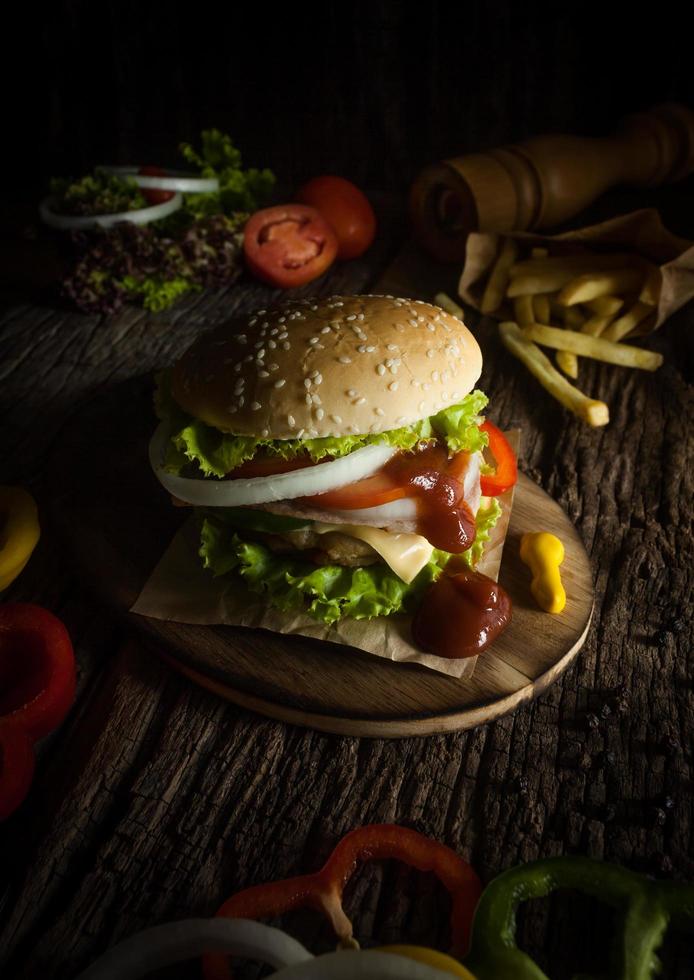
point(648, 906)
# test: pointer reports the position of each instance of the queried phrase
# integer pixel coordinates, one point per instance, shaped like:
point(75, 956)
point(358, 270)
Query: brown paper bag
point(641, 232)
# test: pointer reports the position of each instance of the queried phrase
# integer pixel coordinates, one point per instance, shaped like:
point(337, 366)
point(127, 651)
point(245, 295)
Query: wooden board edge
point(369, 727)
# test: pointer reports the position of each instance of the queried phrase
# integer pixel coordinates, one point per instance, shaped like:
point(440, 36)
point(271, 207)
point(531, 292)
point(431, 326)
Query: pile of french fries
point(579, 305)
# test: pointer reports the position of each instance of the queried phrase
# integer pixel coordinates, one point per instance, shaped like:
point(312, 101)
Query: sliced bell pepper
point(648, 908)
point(506, 472)
point(323, 890)
point(19, 532)
point(37, 688)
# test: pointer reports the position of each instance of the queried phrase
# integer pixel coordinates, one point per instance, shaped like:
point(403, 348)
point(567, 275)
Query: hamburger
point(333, 451)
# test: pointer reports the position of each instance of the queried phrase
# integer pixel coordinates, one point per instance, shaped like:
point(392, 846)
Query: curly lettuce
point(326, 592)
point(216, 453)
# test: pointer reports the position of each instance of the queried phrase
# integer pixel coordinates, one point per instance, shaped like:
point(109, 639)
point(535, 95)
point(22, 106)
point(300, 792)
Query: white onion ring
point(361, 965)
point(402, 509)
point(171, 180)
point(82, 222)
point(264, 489)
point(174, 942)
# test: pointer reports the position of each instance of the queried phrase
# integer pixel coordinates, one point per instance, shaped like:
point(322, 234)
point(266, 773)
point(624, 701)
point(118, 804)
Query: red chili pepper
point(506, 472)
point(323, 890)
point(37, 688)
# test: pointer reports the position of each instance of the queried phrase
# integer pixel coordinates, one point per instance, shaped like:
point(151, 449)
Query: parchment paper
point(642, 232)
point(182, 591)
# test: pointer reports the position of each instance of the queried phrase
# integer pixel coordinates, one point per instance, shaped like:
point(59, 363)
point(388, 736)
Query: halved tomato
point(288, 245)
point(151, 194)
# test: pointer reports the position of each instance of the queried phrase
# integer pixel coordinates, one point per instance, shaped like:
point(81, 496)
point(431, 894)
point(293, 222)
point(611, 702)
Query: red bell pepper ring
point(37, 688)
point(506, 473)
point(323, 890)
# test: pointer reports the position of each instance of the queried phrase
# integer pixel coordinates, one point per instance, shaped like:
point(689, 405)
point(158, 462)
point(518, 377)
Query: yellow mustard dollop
point(543, 553)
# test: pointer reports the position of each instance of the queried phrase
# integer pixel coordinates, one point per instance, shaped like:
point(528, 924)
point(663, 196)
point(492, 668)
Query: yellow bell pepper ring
point(19, 532)
point(543, 553)
point(441, 961)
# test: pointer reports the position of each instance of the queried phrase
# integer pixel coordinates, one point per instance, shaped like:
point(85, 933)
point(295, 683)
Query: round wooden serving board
point(116, 521)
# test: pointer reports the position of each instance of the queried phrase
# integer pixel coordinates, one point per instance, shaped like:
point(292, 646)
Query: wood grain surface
point(156, 800)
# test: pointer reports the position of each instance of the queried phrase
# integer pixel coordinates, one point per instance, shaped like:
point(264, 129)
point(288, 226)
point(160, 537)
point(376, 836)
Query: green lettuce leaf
point(217, 453)
point(326, 592)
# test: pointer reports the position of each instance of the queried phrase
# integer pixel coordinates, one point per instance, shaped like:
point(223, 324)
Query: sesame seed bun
point(328, 367)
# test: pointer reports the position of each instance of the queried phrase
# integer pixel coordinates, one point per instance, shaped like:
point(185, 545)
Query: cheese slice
point(406, 554)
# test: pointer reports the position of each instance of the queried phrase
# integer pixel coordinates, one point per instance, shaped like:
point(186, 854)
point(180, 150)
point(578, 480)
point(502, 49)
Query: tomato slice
point(506, 473)
point(347, 210)
point(151, 194)
point(288, 245)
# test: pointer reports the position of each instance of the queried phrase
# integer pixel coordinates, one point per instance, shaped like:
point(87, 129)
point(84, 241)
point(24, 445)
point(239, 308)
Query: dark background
point(370, 90)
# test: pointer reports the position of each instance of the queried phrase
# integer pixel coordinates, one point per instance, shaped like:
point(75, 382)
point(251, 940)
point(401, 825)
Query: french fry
point(449, 305)
point(590, 285)
point(568, 362)
point(604, 305)
point(572, 317)
point(495, 289)
point(596, 325)
point(541, 308)
point(628, 321)
point(593, 412)
point(594, 347)
point(523, 308)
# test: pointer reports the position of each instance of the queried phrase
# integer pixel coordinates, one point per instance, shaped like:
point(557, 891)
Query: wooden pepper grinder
point(546, 180)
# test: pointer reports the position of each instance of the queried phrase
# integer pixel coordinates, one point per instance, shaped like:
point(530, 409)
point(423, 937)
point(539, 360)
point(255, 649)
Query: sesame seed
point(360, 316)
point(379, 411)
point(318, 379)
point(445, 396)
point(344, 359)
point(313, 432)
point(307, 382)
point(455, 396)
point(325, 330)
point(274, 331)
point(283, 335)
point(262, 312)
point(316, 399)
point(362, 349)
point(431, 328)
point(319, 414)
point(393, 386)
point(263, 374)
point(337, 419)
point(338, 303)
point(352, 316)
point(274, 367)
point(241, 401)
point(286, 345)
point(261, 354)
point(252, 322)
point(393, 369)
point(281, 383)
point(381, 369)
point(413, 323)
point(239, 386)
point(271, 344)
point(309, 400)
point(431, 352)
point(314, 340)
point(392, 347)
point(300, 433)
point(241, 338)
point(370, 349)
point(351, 393)
point(291, 422)
point(265, 433)
point(281, 319)
point(314, 374)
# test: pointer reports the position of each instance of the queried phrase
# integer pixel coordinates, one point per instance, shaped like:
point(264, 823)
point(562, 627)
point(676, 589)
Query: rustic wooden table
point(156, 800)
